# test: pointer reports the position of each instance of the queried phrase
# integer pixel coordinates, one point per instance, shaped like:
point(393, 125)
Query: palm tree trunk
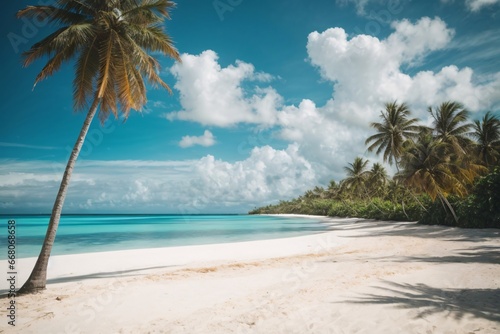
point(402, 201)
point(38, 278)
point(418, 201)
point(448, 204)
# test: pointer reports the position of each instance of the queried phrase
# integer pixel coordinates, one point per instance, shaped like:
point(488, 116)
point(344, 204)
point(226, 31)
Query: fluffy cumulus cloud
point(325, 142)
point(367, 71)
point(214, 95)
point(206, 140)
point(266, 175)
point(195, 186)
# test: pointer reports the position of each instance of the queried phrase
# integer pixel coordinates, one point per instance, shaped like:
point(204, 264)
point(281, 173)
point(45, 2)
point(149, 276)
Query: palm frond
point(85, 7)
point(152, 38)
point(86, 70)
point(52, 14)
point(145, 12)
point(122, 79)
point(70, 37)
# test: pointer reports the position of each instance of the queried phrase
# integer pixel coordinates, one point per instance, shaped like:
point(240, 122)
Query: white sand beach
point(361, 277)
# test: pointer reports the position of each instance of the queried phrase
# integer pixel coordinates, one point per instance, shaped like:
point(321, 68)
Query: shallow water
point(98, 233)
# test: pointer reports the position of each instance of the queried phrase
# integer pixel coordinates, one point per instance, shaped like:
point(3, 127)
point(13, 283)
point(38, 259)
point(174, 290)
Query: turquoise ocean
point(99, 233)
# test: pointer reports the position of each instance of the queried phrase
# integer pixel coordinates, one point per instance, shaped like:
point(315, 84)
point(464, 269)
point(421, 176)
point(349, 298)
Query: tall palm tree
point(396, 127)
point(451, 126)
point(487, 135)
point(357, 175)
point(110, 40)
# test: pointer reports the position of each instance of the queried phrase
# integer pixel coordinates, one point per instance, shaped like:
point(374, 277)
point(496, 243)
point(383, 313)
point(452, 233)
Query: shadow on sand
point(109, 274)
point(481, 254)
point(427, 300)
point(412, 229)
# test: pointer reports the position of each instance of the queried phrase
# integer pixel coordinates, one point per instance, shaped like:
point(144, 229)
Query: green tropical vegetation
point(447, 173)
point(110, 42)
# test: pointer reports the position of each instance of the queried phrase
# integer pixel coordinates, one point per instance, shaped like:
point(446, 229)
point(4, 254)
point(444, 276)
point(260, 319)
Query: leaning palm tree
point(110, 40)
point(396, 127)
point(427, 169)
point(487, 135)
point(357, 175)
point(451, 126)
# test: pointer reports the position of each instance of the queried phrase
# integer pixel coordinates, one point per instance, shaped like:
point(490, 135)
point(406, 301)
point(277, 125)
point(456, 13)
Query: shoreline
point(34, 249)
point(64, 267)
point(362, 276)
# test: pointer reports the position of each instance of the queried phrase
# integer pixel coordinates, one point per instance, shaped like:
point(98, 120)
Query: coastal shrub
point(437, 214)
point(416, 207)
point(376, 208)
point(482, 207)
point(413, 209)
point(342, 209)
point(321, 207)
point(380, 209)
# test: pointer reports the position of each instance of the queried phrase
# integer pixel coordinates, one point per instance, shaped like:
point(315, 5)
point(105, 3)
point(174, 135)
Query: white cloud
point(476, 5)
point(196, 186)
point(266, 175)
point(324, 141)
point(411, 41)
point(207, 139)
point(367, 71)
point(213, 95)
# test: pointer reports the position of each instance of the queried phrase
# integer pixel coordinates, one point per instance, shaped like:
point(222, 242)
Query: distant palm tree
point(487, 135)
point(309, 194)
point(396, 190)
point(333, 189)
point(319, 192)
point(377, 179)
point(396, 127)
point(357, 175)
point(110, 40)
point(451, 126)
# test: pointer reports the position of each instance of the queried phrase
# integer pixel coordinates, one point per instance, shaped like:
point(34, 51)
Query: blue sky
point(272, 98)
